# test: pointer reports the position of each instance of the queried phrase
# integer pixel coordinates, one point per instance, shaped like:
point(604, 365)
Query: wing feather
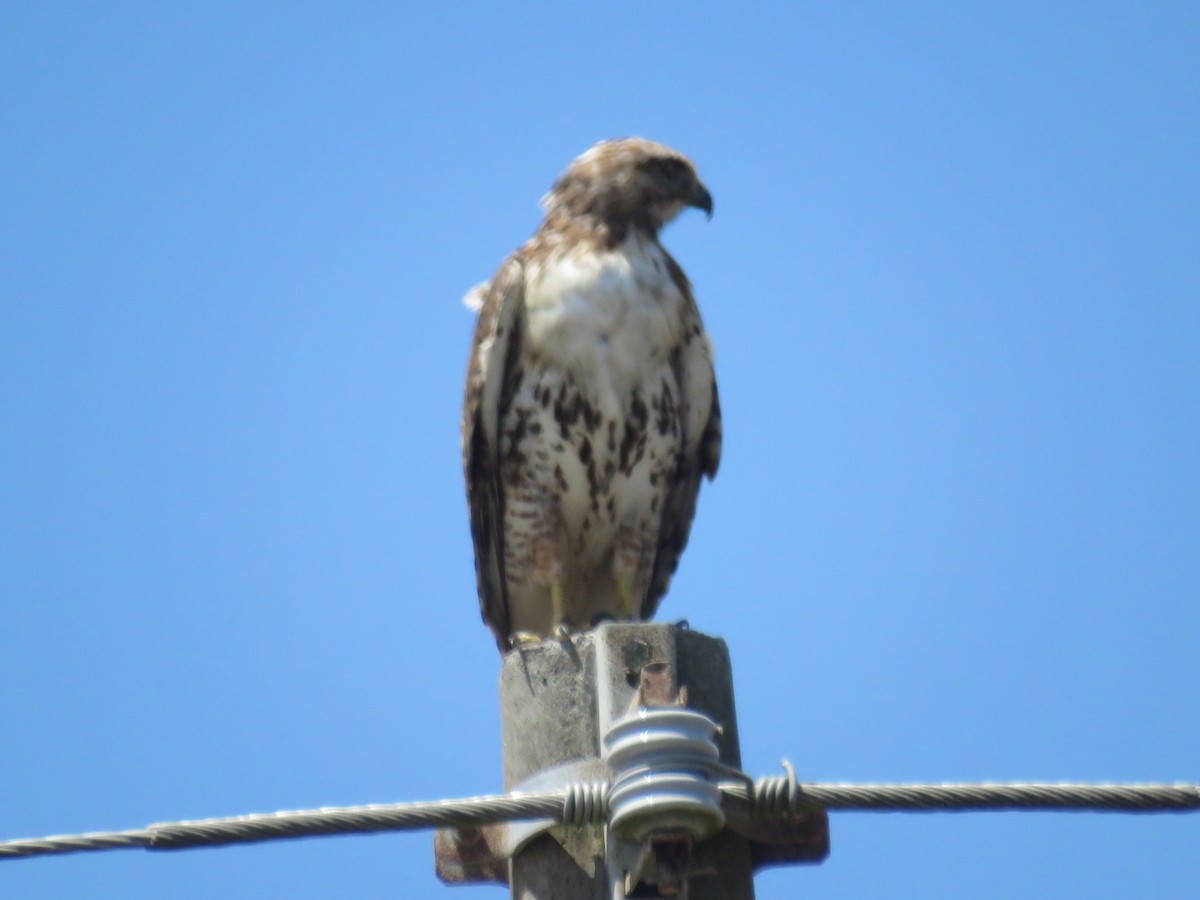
point(700, 454)
point(492, 374)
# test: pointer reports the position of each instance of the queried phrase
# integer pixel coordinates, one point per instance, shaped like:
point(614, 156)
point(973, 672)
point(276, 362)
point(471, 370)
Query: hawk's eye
point(674, 172)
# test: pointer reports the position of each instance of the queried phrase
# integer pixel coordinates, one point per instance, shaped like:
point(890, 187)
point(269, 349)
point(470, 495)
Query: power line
point(1129, 798)
point(586, 803)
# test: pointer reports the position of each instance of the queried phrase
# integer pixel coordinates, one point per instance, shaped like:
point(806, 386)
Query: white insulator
point(663, 761)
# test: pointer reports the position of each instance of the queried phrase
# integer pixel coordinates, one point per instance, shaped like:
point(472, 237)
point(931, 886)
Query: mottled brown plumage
point(591, 407)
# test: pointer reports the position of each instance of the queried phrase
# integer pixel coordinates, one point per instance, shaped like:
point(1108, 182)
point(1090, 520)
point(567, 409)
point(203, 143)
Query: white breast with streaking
point(611, 314)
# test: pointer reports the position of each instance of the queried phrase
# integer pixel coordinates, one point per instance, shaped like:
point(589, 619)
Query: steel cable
point(586, 803)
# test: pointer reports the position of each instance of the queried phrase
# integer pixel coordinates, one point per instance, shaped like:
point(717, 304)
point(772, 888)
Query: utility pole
point(647, 708)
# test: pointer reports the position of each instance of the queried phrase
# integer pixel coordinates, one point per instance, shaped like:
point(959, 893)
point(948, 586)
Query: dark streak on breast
point(589, 460)
point(633, 441)
point(666, 420)
point(570, 409)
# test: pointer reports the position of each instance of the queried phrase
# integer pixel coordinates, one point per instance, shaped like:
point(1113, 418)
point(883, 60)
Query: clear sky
point(954, 282)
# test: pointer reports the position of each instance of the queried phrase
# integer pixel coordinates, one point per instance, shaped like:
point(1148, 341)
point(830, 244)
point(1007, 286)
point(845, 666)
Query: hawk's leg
point(631, 571)
point(549, 564)
point(625, 597)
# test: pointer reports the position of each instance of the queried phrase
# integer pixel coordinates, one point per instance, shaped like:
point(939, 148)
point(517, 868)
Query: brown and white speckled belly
point(592, 437)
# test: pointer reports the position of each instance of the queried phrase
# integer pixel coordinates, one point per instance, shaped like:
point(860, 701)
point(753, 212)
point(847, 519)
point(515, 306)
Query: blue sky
point(953, 281)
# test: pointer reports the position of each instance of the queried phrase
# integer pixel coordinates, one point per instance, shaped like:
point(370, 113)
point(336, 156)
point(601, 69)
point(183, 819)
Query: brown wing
point(492, 374)
point(701, 451)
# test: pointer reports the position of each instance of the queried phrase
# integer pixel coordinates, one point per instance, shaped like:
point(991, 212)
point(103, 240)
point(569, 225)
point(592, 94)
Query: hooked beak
point(700, 198)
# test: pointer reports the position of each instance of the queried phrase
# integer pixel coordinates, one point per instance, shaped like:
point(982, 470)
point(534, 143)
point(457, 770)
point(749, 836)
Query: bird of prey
point(591, 405)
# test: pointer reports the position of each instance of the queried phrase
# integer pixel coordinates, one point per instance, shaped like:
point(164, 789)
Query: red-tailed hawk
point(591, 406)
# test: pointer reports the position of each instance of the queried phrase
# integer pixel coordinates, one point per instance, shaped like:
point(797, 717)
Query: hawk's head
point(626, 183)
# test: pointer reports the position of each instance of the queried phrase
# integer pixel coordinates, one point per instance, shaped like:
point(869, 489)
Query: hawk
point(591, 405)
